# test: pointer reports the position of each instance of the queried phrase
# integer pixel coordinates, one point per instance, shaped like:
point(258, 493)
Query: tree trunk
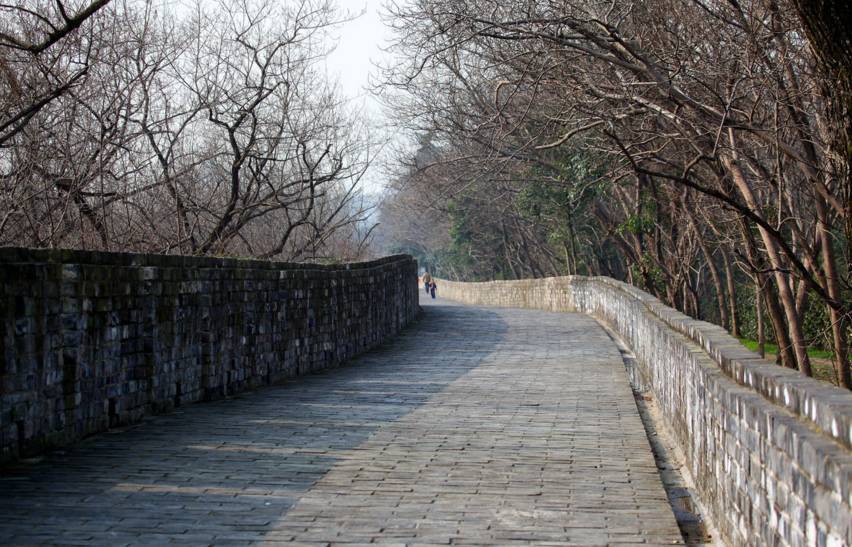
point(568, 269)
point(785, 356)
point(732, 294)
point(714, 271)
point(758, 311)
point(838, 321)
point(788, 301)
point(573, 248)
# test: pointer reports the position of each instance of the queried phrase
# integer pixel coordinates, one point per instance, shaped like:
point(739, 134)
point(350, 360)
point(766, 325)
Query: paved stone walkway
point(476, 427)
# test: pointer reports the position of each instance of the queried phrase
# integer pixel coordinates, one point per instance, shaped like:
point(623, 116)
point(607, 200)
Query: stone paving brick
point(474, 427)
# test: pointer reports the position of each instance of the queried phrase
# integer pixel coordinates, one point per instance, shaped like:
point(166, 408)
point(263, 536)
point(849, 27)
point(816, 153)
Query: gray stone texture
point(94, 340)
point(768, 448)
point(473, 427)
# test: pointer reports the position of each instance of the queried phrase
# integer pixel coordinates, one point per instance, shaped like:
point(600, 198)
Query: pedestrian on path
point(432, 288)
point(427, 280)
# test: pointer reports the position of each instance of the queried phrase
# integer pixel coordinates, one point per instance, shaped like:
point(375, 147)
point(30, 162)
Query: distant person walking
point(433, 287)
point(427, 281)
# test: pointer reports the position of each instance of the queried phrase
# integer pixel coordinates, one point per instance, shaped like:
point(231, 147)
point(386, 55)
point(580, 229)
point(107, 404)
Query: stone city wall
point(92, 340)
point(770, 450)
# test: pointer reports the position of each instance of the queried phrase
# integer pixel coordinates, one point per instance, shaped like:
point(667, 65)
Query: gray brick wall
point(770, 450)
point(94, 340)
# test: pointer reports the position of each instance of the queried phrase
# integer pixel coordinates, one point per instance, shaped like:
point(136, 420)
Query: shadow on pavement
point(228, 469)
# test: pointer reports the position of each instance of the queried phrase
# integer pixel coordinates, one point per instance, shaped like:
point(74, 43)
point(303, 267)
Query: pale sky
point(359, 47)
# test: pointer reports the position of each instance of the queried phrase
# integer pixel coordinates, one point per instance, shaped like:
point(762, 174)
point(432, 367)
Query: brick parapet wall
point(91, 340)
point(768, 448)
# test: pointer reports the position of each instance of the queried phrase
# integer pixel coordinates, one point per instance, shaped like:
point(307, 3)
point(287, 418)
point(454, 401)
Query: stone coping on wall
point(23, 255)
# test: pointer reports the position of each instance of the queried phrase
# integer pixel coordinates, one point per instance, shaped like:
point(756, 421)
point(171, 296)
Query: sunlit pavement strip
point(476, 426)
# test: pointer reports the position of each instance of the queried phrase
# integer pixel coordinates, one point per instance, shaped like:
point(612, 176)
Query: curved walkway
point(476, 426)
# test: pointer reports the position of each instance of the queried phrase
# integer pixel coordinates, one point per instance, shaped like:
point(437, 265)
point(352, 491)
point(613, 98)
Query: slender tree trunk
point(693, 297)
point(838, 322)
point(671, 297)
point(551, 260)
point(568, 269)
point(573, 248)
point(732, 294)
point(758, 313)
point(714, 273)
point(788, 302)
point(533, 265)
point(801, 297)
point(785, 356)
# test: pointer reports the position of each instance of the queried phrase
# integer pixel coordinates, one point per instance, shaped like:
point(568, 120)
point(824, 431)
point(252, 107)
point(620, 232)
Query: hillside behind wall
point(770, 450)
point(92, 340)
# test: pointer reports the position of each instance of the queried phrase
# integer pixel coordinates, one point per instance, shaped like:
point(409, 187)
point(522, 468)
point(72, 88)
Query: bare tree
point(30, 80)
point(688, 103)
point(213, 131)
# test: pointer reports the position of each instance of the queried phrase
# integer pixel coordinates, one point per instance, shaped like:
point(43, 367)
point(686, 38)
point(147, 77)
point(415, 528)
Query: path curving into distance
point(474, 427)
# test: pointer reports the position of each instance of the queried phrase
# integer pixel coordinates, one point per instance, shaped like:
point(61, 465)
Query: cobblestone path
point(476, 426)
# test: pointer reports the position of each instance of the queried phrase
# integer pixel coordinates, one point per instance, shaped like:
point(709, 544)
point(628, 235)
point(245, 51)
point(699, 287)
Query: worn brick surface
point(474, 427)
